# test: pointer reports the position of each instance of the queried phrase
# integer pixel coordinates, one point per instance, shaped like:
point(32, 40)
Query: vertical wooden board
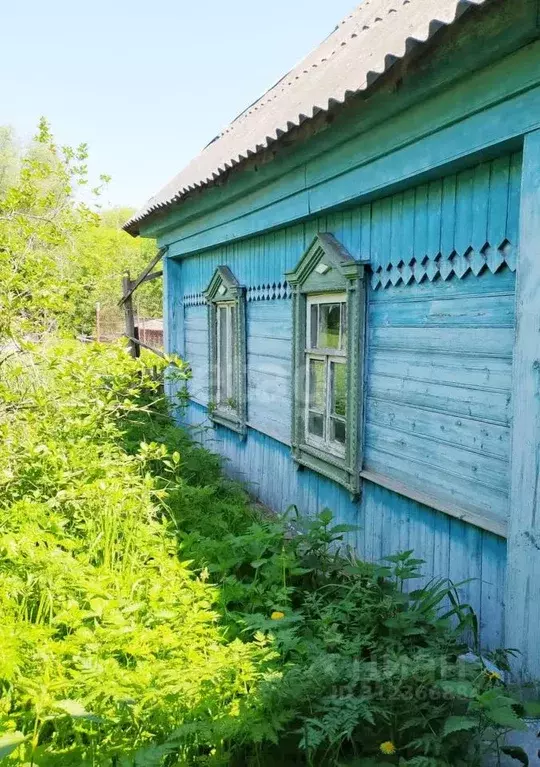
point(337, 224)
point(280, 256)
point(480, 205)
point(407, 229)
point(421, 542)
point(514, 195)
point(378, 254)
point(498, 201)
point(386, 229)
point(493, 584)
point(448, 212)
point(435, 190)
point(395, 252)
point(420, 238)
point(296, 249)
point(466, 562)
point(440, 563)
point(373, 502)
point(356, 233)
point(366, 219)
point(464, 211)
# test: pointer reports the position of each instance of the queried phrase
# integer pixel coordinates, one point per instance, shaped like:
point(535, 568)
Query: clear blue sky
point(147, 83)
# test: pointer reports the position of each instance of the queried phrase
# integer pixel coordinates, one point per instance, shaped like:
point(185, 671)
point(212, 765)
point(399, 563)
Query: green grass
point(151, 616)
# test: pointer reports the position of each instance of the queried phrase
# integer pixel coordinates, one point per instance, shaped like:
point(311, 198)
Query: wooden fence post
point(131, 332)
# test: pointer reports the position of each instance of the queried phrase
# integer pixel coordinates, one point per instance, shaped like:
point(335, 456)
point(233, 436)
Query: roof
point(361, 48)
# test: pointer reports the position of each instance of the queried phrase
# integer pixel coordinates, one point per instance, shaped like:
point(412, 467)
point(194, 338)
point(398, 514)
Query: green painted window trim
point(224, 287)
point(342, 273)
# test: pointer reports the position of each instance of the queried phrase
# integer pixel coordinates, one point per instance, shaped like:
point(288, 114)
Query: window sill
point(474, 517)
point(327, 464)
point(229, 421)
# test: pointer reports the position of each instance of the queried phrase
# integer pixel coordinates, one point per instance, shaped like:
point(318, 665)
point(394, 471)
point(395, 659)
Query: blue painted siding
point(439, 380)
point(386, 522)
point(439, 352)
point(438, 369)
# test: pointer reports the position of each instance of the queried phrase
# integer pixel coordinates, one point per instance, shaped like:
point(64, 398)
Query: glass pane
point(338, 430)
point(344, 327)
point(232, 354)
point(313, 325)
point(329, 322)
point(223, 354)
point(316, 424)
point(317, 385)
point(338, 373)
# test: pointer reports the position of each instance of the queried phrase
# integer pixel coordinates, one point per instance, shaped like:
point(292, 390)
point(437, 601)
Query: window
point(225, 363)
point(326, 372)
point(328, 339)
point(227, 345)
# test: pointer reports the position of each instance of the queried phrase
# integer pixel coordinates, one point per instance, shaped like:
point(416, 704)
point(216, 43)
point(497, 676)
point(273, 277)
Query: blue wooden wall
point(438, 368)
point(386, 522)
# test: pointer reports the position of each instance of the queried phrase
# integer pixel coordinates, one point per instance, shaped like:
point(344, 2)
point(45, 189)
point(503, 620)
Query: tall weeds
point(149, 615)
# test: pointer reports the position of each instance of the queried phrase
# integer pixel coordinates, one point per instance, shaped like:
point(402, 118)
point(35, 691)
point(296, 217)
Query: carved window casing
point(329, 299)
point(226, 300)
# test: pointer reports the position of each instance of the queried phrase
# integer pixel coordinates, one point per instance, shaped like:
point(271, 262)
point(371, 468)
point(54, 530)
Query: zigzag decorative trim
point(445, 266)
point(277, 290)
point(269, 292)
point(194, 299)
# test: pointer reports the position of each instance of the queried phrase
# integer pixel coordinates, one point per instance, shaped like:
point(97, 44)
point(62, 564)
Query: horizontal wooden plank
point(489, 341)
point(273, 347)
point(269, 366)
point(279, 329)
point(195, 312)
point(445, 398)
point(199, 337)
point(270, 310)
point(477, 371)
point(267, 423)
point(466, 514)
point(482, 311)
point(473, 466)
point(196, 323)
point(268, 388)
point(461, 432)
point(443, 485)
point(472, 286)
point(194, 350)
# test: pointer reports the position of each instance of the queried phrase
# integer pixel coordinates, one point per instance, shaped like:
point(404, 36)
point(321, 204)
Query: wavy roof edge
point(363, 47)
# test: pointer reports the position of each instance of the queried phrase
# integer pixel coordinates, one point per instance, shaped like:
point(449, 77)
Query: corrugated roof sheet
point(361, 48)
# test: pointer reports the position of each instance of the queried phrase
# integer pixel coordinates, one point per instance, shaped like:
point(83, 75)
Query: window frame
point(228, 307)
point(327, 270)
point(328, 356)
point(224, 290)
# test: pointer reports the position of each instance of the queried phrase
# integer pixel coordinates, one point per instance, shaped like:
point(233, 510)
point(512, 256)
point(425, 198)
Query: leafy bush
point(109, 641)
point(151, 615)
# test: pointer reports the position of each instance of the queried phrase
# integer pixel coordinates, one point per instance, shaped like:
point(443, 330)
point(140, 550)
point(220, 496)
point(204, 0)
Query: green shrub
point(109, 641)
point(151, 615)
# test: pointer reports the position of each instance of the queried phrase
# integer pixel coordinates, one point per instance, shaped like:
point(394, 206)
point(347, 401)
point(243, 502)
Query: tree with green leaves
point(59, 255)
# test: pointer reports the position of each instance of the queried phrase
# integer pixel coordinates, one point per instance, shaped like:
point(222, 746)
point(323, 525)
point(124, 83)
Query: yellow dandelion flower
point(277, 615)
point(387, 748)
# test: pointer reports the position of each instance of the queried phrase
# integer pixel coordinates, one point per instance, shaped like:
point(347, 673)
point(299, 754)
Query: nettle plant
point(372, 670)
point(152, 616)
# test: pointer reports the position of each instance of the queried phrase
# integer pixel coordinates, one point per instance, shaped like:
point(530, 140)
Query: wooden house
point(353, 271)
